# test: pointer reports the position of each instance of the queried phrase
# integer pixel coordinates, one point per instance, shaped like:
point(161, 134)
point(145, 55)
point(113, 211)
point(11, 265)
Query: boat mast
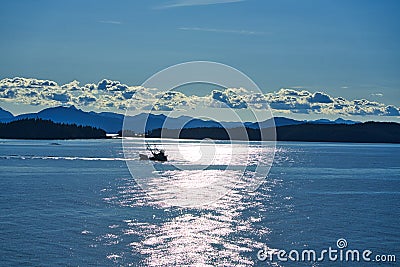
point(149, 148)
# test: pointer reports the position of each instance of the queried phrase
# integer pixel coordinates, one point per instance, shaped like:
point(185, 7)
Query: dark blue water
point(76, 204)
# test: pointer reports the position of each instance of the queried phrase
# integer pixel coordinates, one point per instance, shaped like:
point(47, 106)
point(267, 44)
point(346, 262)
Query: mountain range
point(113, 122)
point(5, 115)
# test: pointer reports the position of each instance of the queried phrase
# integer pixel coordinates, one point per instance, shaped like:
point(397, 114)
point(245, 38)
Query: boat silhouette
point(157, 154)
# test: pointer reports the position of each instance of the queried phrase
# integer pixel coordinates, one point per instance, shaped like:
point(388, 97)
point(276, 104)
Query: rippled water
point(197, 172)
point(76, 204)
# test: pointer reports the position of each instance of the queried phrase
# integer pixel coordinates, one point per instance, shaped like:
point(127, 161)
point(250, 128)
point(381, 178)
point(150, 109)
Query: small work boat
point(157, 154)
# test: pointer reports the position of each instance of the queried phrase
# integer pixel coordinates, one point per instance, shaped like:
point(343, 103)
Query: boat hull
point(154, 158)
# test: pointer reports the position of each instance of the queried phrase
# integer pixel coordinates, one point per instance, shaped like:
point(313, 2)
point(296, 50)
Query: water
point(76, 204)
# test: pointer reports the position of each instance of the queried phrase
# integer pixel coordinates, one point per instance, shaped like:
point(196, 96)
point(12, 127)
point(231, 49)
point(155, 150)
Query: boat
point(157, 154)
point(55, 144)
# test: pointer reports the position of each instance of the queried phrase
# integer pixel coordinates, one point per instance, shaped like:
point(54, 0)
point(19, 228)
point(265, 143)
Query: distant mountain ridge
point(112, 122)
point(4, 114)
point(337, 121)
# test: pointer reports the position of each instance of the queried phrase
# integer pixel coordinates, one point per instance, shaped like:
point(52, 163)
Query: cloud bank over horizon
point(113, 95)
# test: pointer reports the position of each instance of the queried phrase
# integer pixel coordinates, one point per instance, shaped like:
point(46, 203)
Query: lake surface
point(76, 204)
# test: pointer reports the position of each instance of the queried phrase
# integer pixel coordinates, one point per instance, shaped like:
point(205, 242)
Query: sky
point(342, 48)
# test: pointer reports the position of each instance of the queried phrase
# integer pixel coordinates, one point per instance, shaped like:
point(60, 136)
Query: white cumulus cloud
point(114, 95)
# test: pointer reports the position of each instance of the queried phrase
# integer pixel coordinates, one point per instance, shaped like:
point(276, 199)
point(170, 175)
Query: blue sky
point(344, 48)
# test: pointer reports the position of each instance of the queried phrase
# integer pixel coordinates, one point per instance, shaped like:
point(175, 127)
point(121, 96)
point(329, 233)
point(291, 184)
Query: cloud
point(186, 3)
point(319, 97)
point(72, 86)
point(113, 95)
point(245, 32)
point(171, 101)
point(257, 100)
point(115, 22)
point(377, 94)
point(61, 97)
point(392, 111)
point(293, 101)
point(227, 98)
point(86, 99)
point(105, 94)
point(108, 85)
point(26, 83)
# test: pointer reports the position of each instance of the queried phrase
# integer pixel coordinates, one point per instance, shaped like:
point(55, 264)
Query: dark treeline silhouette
point(191, 133)
point(47, 129)
point(368, 132)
